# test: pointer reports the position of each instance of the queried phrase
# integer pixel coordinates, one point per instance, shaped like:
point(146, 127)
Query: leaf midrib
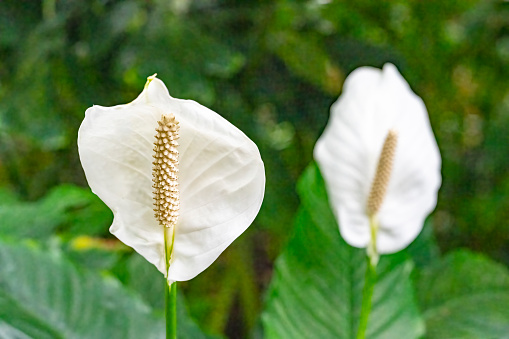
point(30, 315)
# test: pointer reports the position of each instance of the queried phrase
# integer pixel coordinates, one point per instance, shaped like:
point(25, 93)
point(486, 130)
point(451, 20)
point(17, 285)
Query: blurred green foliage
point(272, 68)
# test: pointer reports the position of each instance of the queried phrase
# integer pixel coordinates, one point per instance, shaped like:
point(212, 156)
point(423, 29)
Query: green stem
point(367, 294)
point(369, 280)
point(171, 310)
point(170, 299)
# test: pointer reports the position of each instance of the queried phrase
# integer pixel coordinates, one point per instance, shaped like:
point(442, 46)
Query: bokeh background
point(272, 68)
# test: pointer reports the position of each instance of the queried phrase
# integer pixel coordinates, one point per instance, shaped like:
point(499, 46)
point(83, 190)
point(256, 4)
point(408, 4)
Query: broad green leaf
point(42, 295)
point(465, 295)
point(90, 218)
point(316, 290)
point(63, 205)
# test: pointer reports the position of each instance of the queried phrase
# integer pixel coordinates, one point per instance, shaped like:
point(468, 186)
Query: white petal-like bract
point(373, 102)
point(221, 177)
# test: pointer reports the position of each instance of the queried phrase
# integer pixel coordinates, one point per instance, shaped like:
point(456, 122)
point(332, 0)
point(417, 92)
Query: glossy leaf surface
point(316, 290)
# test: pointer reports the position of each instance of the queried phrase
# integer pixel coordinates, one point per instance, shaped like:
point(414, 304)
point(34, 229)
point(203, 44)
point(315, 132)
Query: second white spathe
point(373, 102)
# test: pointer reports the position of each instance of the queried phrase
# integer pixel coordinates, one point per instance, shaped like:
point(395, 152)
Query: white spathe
point(373, 102)
point(221, 177)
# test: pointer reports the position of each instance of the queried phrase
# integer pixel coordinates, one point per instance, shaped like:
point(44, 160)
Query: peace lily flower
point(380, 161)
point(172, 168)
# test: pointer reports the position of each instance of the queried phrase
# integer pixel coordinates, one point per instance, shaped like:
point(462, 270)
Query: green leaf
point(316, 290)
point(42, 295)
point(465, 295)
point(62, 206)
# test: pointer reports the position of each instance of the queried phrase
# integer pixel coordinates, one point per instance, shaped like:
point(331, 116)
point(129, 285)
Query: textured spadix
point(221, 177)
point(373, 102)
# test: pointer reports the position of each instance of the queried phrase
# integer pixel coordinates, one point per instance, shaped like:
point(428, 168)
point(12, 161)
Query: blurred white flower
point(221, 177)
point(377, 107)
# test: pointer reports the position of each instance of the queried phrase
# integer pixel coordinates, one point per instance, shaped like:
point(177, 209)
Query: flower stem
point(369, 280)
point(367, 294)
point(171, 310)
point(170, 299)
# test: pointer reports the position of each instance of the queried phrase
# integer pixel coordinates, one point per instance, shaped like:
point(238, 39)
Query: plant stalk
point(171, 310)
point(369, 280)
point(367, 295)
